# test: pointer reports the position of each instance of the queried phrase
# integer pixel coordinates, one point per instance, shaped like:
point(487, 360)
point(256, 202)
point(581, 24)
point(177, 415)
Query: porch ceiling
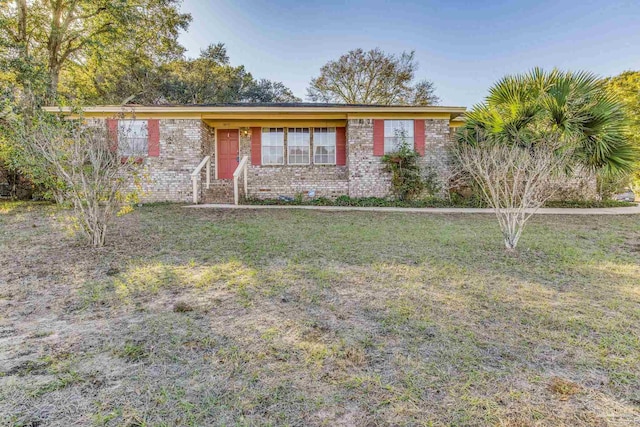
point(232, 120)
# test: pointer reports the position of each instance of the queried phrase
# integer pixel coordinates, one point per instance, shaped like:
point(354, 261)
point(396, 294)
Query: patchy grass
point(205, 317)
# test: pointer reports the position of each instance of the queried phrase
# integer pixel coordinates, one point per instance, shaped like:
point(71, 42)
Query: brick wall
point(366, 175)
point(366, 171)
point(168, 176)
point(581, 186)
point(183, 144)
point(436, 152)
point(269, 182)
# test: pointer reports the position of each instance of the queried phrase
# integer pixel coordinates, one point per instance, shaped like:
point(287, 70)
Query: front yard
point(205, 317)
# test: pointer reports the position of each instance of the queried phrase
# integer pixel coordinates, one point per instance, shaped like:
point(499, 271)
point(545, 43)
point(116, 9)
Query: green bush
point(456, 201)
point(431, 180)
point(406, 176)
point(427, 202)
point(587, 204)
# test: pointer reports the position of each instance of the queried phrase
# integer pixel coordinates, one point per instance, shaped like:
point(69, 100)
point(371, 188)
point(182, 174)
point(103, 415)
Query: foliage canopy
point(626, 88)
point(372, 77)
point(112, 52)
point(575, 107)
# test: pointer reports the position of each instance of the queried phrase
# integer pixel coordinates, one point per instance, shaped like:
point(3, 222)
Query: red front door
point(227, 152)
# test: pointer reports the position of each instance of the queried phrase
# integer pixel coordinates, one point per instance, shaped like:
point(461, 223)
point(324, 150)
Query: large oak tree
point(112, 52)
point(47, 37)
point(211, 78)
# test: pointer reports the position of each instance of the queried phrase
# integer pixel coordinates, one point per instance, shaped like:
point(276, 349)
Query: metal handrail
point(196, 173)
point(242, 168)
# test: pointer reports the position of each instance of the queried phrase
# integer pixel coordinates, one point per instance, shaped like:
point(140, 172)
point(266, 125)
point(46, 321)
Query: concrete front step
point(221, 191)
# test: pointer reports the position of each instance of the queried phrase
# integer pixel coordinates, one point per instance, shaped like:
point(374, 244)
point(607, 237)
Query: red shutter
point(112, 133)
point(153, 130)
point(341, 146)
point(418, 136)
point(256, 146)
point(378, 137)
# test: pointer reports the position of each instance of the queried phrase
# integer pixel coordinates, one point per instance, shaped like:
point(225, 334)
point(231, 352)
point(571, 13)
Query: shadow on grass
point(360, 318)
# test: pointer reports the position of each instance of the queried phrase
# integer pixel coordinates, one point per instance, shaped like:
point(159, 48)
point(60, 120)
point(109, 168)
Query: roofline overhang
point(228, 111)
point(259, 109)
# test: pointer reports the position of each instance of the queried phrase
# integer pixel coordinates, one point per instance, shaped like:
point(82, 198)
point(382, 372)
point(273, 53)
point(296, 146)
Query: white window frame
point(324, 132)
point(272, 138)
point(136, 131)
point(294, 134)
point(391, 127)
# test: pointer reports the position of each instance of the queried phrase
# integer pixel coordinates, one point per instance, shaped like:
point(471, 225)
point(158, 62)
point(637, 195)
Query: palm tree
point(573, 107)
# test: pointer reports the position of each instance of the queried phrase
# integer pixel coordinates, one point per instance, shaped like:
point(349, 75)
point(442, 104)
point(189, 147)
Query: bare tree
point(83, 157)
point(514, 179)
point(372, 77)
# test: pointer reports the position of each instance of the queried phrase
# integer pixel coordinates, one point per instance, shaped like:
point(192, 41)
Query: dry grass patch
point(204, 317)
point(564, 388)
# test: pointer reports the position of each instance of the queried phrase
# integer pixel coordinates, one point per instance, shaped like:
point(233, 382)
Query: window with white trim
point(272, 146)
point(395, 131)
point(133, 138)
point(324, 146)
point(298, 143)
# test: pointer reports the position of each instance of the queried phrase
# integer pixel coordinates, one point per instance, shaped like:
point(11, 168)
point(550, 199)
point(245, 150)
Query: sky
point(462, 46)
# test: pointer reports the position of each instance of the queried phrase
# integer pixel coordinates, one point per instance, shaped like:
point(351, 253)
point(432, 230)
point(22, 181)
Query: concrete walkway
point(543, 211)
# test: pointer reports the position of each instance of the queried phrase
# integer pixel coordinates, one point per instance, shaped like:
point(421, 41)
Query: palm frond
point(574, 107)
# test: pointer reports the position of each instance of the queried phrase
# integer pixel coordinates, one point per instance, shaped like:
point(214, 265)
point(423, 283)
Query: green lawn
point(206, 317)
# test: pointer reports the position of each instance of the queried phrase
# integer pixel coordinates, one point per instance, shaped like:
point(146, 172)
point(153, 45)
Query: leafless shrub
point(515, 179)
point(83, 157)
point(452, 178)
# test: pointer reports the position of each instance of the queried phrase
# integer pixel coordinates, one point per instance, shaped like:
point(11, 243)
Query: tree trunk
point(54, 43)
point(54, 77)
point(98, 234)
point(510, 243)
point(22, 26)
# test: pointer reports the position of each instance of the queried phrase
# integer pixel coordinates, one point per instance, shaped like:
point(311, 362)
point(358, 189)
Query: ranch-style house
point(194, 152)
point(222, 153)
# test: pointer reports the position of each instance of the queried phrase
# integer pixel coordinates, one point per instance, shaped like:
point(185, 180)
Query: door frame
point(215, 147)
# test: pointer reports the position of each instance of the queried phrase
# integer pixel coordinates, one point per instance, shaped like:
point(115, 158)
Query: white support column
point(245, 181)
point(235, 190)
point(240, 170)
point(194, 180)
point(197, 175)
point(209, 174)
